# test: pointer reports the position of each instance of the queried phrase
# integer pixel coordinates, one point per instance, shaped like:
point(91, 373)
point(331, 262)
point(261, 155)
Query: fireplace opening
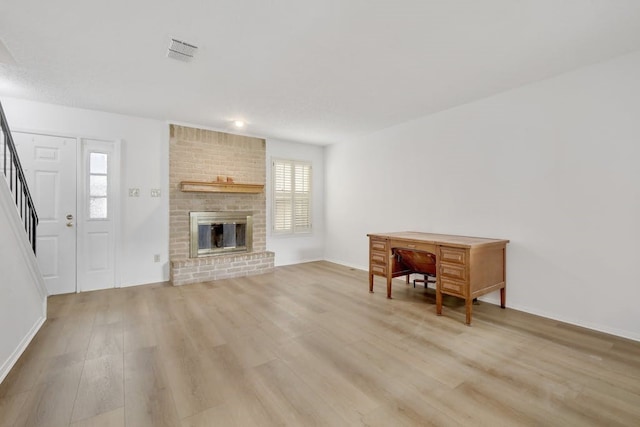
point(214, 233)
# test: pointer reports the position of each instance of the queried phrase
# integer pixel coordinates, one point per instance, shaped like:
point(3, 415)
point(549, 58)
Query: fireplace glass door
point(214, 233)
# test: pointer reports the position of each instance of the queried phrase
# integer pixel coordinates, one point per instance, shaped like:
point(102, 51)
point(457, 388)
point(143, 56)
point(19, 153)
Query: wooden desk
point(466, 267)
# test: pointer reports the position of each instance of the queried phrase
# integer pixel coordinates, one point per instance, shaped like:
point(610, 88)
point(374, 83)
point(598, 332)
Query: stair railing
point(16, 180)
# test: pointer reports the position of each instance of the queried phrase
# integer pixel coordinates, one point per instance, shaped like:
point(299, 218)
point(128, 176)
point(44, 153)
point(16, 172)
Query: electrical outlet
point(134, 192)
point(155, 192)
point(156, 258)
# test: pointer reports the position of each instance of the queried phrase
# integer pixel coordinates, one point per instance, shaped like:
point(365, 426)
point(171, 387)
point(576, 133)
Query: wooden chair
point(419, 262)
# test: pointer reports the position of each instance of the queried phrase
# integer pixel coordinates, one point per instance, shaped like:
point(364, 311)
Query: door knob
point(69, 216)
point(70, 224)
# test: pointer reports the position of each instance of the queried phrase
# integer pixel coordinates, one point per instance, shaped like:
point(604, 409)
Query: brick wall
point(202, 155)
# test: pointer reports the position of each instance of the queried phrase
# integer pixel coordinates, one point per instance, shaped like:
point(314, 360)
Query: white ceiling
point(316, 71)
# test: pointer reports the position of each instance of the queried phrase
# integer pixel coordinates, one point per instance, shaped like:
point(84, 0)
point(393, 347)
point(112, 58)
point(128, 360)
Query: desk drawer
point(453, 271)
point(453, 255)
point(378, 245)
point(379, 270)
point(414, 246)
point(379, 258)
point(452, 287)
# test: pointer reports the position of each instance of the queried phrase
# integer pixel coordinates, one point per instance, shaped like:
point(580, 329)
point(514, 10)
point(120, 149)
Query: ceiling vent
point(181, 51)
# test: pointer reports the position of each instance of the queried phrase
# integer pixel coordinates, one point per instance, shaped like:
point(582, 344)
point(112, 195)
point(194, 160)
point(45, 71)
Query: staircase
point(23, 295)
point(17, 183)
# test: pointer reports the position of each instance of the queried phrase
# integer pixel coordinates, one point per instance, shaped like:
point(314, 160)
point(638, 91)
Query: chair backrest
point(419, 261)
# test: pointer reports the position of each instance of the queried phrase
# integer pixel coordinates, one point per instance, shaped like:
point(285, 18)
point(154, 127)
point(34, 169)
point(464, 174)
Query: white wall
point(553, 166)
point(293, 249)
point(23, 297)
point(145, 165)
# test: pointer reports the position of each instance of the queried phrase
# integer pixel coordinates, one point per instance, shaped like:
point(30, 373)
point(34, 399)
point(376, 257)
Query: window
point(291, 196)
point(98, 185)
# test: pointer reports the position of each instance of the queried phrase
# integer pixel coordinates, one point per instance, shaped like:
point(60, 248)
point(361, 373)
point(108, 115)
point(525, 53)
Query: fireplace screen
point(214, 233)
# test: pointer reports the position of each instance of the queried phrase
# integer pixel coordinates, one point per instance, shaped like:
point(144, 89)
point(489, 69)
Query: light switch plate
point(134, 192)
point(155, 192)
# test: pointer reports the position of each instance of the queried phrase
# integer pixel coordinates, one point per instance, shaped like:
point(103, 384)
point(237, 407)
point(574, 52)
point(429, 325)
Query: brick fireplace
point(207, 156)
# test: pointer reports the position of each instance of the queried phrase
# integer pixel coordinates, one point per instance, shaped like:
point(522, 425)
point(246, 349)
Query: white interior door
point(49, 164)
point(98, 214)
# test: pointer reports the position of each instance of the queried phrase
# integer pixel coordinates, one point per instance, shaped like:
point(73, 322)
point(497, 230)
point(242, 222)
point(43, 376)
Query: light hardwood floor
point(308, 345)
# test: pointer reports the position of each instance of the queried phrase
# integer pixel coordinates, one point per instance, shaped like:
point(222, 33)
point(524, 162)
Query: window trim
point(88, 195)
point(274, 198)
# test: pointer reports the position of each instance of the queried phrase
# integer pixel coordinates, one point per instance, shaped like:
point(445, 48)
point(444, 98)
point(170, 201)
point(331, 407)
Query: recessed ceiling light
point(238, 123)
point(9, 88)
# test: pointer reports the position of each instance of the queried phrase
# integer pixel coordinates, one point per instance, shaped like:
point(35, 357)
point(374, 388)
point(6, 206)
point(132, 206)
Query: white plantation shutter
point(302, 197)
point(283, 197)
point(291, 196)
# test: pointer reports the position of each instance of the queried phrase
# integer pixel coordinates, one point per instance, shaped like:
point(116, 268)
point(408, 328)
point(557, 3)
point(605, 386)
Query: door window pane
point(98, 163)
point(98, 185)
point(98, 191)
point(98, 208)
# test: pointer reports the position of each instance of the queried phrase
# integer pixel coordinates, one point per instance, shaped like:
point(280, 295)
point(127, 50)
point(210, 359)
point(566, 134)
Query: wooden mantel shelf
point(220, 187)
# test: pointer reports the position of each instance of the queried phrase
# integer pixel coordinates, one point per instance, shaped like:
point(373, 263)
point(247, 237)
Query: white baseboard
point(493, 299)
point(11, 361)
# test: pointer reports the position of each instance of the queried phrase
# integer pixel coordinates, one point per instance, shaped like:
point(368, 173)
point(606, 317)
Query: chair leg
point(424, 280)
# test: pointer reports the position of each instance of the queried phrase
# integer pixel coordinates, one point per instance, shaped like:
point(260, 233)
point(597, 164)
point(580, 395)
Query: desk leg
point(370, 283)
point(438, 301)
point(389, 279)
point(468, 303)
point(503, 290)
